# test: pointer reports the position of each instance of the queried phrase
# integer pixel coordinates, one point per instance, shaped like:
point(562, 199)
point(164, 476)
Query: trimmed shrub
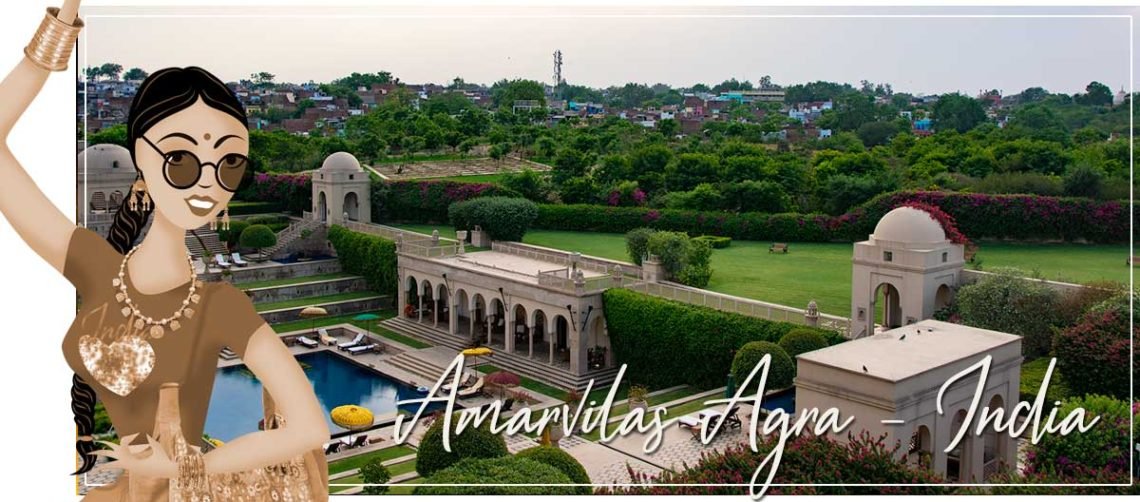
point(637, 243)
point(661, 339)
point(426, 201)
point(559, 459)
point(780, 373)
point(1033, 373)
point(374, 472)
point(232, 235)
point(473, 442)
point(859, 465)
point(1104, 447)
point(504, 218)
point(1008, 302)
point(1094, 354)
point(800, 340)
point(979, 216)
point(257, 237)
point(714, 241)
point(476, 474)
point(369, 256)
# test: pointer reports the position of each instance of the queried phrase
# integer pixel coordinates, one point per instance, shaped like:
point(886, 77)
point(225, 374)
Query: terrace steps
point(520, 364)
point(410, 362)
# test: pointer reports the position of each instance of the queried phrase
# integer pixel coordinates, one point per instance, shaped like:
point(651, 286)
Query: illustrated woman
point(146, 321)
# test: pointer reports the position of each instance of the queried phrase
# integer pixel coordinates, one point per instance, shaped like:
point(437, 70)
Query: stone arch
point(599, 352)
point(520, 328)
point(539, 325)
point(322, 206)
point(462, 305)
point(943, 296)
point(562, 331)
point(958, 465)
point(412, 288)
point(921, 451)
point(887, 293)
point(993, 443)
point(352, 206)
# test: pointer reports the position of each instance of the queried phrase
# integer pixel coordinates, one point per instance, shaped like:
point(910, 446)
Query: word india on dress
point(595, 417)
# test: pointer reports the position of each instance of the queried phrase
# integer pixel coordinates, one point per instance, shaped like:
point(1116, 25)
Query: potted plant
point(638, 397)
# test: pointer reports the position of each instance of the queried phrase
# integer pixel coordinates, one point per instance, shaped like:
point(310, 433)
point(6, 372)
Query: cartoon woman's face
point(192, 162)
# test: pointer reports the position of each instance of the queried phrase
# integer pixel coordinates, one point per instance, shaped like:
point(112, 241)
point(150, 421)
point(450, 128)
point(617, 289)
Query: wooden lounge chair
point(354, 342)
point(473, 390)
point(360, 349)
point(333, 447)
point(220, 260)
point(732, 420)
point(350, 442)
point(237, 260)
point(325, 337)
point(308, 342)
point(778, 247)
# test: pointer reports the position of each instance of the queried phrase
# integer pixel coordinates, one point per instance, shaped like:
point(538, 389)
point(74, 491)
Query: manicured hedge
point(239, 208)
point(426, 201)
point(799, 341)
point(666, 343)
point(559, 459)
point(504, 218)
point(288, 191)
point(476, 476)
point(473, 442)
point(1022, 217)
point(716, 242)
point(370, 256)
point(978, 216)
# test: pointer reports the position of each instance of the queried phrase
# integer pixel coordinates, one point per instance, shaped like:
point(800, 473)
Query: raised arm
point(305, 426)
point(43, 226)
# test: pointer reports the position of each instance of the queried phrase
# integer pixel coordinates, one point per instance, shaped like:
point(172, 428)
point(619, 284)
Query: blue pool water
point(235, 405)
point(785, 400)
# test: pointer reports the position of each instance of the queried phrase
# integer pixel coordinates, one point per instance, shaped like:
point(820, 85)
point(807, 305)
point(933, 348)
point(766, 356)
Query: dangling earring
point(139, 188)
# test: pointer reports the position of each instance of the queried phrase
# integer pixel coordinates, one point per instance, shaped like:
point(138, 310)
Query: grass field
point(822, 271)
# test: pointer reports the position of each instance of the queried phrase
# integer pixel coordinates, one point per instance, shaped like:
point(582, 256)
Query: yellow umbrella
point(313, 313)
point(352, 417)
point(476, 352)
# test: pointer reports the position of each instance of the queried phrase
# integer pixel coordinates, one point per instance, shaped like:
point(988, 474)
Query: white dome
point(910, 226)
point(341, 162)
point(105, 158)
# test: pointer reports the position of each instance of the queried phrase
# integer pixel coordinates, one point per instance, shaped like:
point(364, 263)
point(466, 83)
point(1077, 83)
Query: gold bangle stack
point(192, 483)
point(53, 42)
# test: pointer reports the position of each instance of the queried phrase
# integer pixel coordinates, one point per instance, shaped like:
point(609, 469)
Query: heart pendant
point(120, 366)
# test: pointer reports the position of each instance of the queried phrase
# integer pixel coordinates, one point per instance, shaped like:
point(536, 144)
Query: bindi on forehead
point(206, 137)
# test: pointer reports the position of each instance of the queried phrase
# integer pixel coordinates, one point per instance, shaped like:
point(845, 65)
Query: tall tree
point(958, 112)
point(1096, 94)
point(135, 74)
point(111, 70)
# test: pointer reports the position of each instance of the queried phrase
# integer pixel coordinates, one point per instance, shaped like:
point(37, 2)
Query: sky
point(603, 46)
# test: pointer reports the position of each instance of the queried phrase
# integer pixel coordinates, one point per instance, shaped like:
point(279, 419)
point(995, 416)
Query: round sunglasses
point(182, 169)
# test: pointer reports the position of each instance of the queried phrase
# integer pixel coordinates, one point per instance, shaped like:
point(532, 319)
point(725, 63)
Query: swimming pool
point(235, 404)
point(783, 400)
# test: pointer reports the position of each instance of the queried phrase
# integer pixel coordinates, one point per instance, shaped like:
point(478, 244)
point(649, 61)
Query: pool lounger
point(308, 342)
point(363, 348)
point(355, 341)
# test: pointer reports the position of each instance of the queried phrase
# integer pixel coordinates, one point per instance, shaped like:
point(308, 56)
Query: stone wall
point(278, 271)
point(307, 290)
point(971, 276)
point(338, 308)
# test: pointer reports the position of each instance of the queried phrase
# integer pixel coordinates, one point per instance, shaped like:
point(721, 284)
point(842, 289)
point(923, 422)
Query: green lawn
point(315, 300)
point(405, 488)
point(822, 271)
point(472, 178)
point(356, 462)
point(395, 470)
point(294, 280)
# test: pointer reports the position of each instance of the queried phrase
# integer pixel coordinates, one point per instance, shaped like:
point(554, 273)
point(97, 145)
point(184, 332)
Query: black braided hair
point(161, 95)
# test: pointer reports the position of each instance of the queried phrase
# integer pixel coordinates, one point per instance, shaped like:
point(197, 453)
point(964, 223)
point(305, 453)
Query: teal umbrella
point(366, 318)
